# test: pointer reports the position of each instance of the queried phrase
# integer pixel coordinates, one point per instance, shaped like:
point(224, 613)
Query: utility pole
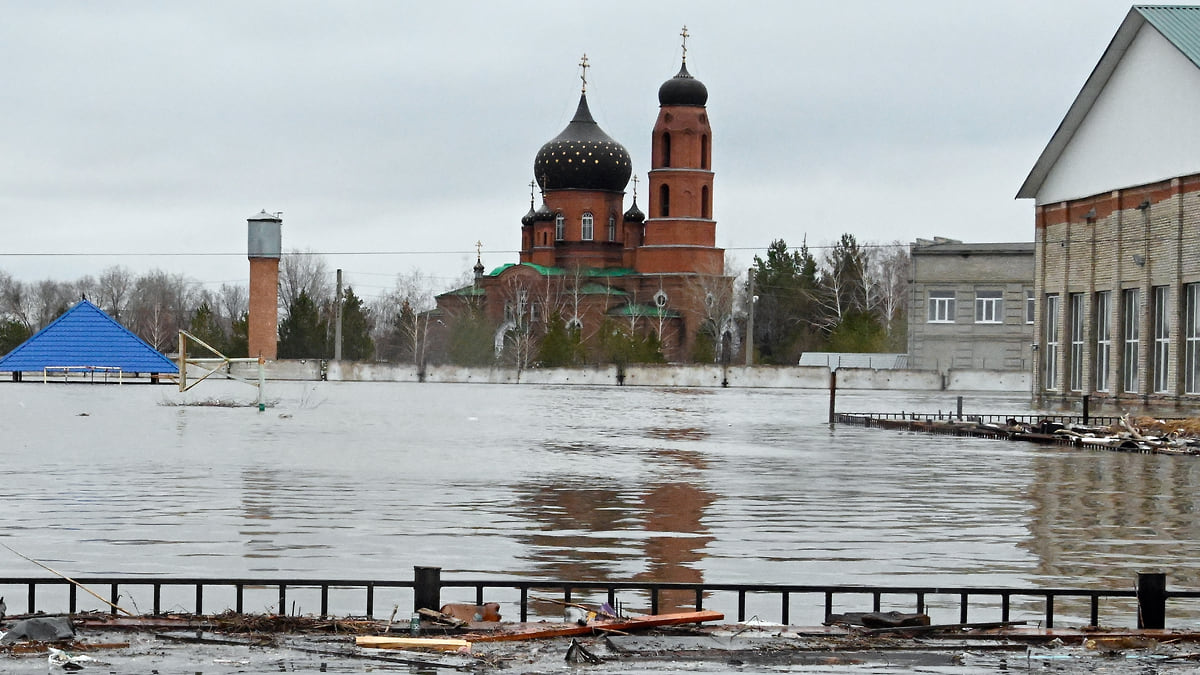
point(750, 322)
point(337, 322)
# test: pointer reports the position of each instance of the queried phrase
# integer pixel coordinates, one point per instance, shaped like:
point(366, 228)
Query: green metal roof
point(1180, 25)
point(650, 311)
point(600, 289)
point(558, 271)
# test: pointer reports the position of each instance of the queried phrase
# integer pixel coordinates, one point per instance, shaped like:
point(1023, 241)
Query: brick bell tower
point(680, 234)
point(263, 247)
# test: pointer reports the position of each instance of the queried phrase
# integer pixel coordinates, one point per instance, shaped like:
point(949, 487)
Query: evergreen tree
point(357, 344)
point(12, 334)
point(471, 339)
point(788, 314)
point(303, 334)
point(206, 326)
point(239, 338)
point(561, 345)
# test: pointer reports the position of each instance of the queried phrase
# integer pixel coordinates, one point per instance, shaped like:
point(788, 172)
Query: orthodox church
point(600, 266)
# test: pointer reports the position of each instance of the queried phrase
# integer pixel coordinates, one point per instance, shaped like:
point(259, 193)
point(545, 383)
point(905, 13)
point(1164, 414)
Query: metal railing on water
point(1150, 593)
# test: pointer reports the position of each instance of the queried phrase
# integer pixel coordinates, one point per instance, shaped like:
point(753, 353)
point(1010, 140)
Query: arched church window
point(705, 209)
point(560, 227)
point(704, 151)
point(666, 149)
point(587, 226)
point(664, 201)
point(612, 227)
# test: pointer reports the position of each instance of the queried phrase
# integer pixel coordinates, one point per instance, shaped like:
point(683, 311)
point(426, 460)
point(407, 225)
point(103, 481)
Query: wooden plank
point(624, 625)
point(396, 642)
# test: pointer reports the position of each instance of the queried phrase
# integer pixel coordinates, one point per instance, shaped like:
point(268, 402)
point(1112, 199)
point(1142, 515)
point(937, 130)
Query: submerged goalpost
point(219, 364)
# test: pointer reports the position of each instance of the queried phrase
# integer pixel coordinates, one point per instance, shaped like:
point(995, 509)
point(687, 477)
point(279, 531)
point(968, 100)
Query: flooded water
point(360, 480)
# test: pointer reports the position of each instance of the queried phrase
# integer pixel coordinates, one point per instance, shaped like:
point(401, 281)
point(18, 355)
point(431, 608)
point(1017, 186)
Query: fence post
point(1152, 600)
point(960, 417)
point(427, 588)
point(1086, 416)
point(832, 394)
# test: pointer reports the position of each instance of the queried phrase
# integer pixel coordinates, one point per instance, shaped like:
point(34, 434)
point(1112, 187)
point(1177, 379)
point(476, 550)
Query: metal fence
point(1150, 594)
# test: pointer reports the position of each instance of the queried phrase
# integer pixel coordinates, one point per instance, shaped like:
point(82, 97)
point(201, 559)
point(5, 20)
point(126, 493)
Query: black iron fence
point(1150, 595)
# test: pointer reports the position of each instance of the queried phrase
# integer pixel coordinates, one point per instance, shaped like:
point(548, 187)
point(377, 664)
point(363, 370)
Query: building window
point(1052, 341)
point(1103, 323)
point(587, 227)
point(1030, 306)
point(664, 201)
point(1191, 332)
point(1131, 316)
point(1075, 308)
point(705, 209)
point(704, 151)
point(941, 306)
point(560, 227)
point(612, 228)
point(666, 149)
point(989, 307)
point(1162, 339)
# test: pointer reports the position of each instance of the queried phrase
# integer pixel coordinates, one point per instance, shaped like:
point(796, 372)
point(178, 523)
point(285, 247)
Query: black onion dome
point(683, 89)
point(583, 157)
point(634, 214)
point(543, 214)
point(528, 218)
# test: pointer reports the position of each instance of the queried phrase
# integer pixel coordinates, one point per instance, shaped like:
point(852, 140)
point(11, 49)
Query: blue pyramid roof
point(85, 336)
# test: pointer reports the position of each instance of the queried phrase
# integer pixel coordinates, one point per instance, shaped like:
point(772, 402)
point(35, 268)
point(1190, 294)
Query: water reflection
point(1103, 517)
point(596, 530)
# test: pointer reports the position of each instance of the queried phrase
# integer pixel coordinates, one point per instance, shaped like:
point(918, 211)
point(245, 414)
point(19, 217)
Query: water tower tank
point(264, 238)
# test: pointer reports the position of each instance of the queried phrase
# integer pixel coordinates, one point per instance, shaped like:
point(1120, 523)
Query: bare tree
point(402, 317)
point(50, 299)
point(304, 271)
point(16, 301)
point(113, 290)
point(233, 301)
point(160, 306)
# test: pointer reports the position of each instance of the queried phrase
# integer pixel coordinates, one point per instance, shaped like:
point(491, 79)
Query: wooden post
point(832, 394)
point(1086, 401)
point(960, 419)
point(427, 588)
point(1152, 600)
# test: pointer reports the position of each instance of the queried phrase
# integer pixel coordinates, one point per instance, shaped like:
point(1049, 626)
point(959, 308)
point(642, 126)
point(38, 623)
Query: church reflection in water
point(646, 532)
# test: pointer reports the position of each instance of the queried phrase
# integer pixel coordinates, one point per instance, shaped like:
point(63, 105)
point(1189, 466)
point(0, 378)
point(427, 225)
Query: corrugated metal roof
point(650, 311)
point(1180, 25)
point(85, 336)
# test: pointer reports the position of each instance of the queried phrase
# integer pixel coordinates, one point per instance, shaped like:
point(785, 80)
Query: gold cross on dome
point(635, 182)
point(478, 249)
point(583, 63)
point(684, 35)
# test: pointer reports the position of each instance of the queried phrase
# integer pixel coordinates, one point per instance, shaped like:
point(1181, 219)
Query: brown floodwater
point(362, 480)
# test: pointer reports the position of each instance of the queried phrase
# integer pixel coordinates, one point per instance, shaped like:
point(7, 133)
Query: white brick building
point(1117, 201)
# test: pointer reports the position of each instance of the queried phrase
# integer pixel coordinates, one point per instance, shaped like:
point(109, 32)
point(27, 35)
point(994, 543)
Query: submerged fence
point(1150, 595)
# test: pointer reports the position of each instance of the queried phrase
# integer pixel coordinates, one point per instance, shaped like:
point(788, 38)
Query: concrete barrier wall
point(780, 377)
point(989, 380)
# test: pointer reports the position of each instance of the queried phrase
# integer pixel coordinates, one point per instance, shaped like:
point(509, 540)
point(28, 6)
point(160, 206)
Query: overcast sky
point(385, 129)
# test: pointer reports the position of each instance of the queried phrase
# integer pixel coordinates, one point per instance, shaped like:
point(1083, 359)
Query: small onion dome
point(634, 214)
point(583, 157)
point(528, 218)
point(683, 89)
point(543, 214)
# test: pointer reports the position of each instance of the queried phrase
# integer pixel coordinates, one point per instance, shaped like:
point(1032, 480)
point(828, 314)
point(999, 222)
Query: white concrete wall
point(775, 377)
